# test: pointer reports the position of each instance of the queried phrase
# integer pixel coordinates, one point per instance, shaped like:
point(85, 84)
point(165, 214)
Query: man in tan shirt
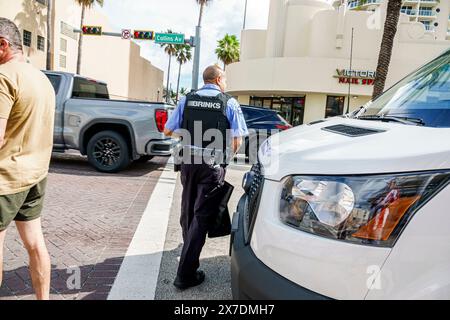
point(27, 106)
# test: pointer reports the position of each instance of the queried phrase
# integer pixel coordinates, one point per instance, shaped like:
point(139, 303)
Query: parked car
point(262, 123)
point(112, 133)
point(353, 207)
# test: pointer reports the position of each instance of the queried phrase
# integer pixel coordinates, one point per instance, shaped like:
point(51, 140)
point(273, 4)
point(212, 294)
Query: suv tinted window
point(55, 81)
point(85, 88)
point(252, 114)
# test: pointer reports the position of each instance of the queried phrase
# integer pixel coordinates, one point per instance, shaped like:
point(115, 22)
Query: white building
point(300, 64)
point(113, 60)
point(434, 14)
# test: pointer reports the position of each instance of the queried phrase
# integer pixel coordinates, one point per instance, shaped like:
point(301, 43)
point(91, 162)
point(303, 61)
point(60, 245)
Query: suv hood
point(313, 150)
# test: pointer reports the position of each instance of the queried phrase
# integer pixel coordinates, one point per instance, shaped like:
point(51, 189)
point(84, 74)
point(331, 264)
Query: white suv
point(353, 207)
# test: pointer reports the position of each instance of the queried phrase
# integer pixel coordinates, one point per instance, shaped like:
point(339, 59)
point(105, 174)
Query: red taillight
point(283, 127)
point(161, 117)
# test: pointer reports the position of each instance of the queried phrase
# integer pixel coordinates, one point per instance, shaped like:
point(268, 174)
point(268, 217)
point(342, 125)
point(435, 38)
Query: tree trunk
point(200, 18)
point(168, 79)
point(80, 41)
point(49, 34)
point(384, 58)
point(178, 82)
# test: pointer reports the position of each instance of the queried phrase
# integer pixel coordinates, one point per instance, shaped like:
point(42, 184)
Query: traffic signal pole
point(196, 68)
point(111, 34)
point(160, 38)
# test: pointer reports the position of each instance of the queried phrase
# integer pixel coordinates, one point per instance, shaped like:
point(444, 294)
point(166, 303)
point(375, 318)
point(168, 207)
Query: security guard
point(208, 109)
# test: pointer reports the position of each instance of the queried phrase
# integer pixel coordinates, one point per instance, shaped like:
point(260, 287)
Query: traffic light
point(92, 30)
point(144, 35)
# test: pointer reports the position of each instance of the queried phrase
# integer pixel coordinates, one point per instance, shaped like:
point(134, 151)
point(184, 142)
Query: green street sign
point(170, 38)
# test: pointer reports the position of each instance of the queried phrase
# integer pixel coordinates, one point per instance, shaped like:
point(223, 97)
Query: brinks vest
point(203, 113)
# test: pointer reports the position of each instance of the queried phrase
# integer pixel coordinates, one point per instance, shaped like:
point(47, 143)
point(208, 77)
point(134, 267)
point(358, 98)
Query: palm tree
point(184, 91)
point(202, 4)
point(171, 50)
point(49, 33)
point(183, 55)
point(169, 95)
point(198, 32)
point(384, 58)
point(85, 4)
point(228, 50)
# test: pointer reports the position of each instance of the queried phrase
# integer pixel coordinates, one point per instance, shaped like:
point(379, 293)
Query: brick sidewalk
point(89, 220)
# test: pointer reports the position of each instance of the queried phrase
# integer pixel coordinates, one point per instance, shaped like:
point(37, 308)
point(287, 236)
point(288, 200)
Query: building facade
point(433, 14)
point(300, 65)
point(112, 60)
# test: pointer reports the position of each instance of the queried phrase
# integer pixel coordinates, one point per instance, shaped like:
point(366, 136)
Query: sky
point(181, 16)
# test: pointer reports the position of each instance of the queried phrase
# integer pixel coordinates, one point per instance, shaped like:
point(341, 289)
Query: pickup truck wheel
point(108, 152)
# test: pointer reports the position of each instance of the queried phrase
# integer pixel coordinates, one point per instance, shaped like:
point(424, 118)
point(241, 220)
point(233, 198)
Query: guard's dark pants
point(197, 180)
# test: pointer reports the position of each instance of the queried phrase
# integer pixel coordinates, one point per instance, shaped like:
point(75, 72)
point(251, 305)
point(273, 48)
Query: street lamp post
point(350, 71)
point(245, 15)
point(196, 68)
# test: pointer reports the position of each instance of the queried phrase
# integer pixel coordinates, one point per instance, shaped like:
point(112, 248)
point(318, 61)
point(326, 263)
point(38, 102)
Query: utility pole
point(49, 60)
point(245, 15)
point(196, 68)
point(350, 71)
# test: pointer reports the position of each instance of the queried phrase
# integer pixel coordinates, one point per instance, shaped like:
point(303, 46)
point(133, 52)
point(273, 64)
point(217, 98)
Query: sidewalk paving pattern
point(214, 260)
point(89, 220)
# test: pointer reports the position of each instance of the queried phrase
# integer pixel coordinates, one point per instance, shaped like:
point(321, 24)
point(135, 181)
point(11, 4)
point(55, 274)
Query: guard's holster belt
point(197, 155)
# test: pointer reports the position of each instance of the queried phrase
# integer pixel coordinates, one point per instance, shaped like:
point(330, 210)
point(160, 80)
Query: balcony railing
point(355, 4)
point(426, 13)
point(367, 2)
point(410, 12)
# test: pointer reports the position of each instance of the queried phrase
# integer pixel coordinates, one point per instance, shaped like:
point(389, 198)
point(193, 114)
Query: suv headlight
point(371, 210)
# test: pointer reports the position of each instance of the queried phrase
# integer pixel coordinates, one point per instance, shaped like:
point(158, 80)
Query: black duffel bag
point(220, 221)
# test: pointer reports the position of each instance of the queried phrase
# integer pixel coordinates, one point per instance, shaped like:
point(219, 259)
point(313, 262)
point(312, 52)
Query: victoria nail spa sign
point(359, 77)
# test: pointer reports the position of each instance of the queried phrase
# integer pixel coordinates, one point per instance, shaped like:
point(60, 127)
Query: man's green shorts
point(22, 206)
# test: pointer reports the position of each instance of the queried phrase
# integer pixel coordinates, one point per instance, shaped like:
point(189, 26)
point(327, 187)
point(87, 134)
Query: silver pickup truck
point(112, 133)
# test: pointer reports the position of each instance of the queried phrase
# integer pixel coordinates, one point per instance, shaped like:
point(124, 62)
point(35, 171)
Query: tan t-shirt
point(27, 100)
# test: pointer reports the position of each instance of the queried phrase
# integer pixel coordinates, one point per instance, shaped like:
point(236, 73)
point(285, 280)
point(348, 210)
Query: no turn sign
point(126, 34)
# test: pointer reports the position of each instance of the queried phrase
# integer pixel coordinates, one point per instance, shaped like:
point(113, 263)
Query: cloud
point(220, 17)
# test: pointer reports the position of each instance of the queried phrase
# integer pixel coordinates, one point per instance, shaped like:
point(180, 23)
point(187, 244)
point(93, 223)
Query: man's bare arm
point(3, 123)
point(237, 143)
point(167, 132)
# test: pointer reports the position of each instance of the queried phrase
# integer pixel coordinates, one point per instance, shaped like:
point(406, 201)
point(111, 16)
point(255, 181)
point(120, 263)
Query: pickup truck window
point(55, 81)
point(86, 88)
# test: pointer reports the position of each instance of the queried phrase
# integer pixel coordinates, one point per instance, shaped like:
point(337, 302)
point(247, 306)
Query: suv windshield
point(423, 97)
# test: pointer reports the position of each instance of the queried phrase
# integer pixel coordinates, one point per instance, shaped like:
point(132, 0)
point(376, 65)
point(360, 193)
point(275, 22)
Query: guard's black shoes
point(184, 284)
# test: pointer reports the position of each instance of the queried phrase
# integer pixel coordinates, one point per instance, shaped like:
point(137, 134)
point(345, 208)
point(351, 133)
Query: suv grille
point(254, 197)
point(351, 131)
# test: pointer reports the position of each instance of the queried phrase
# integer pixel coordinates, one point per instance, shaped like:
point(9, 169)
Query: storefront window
point(298, 112)
point(335, 106)
point(256, 102)
point(290, 108)
point(267, 103)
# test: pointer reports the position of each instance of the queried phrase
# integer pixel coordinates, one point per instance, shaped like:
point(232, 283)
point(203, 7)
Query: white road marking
point(138, 275)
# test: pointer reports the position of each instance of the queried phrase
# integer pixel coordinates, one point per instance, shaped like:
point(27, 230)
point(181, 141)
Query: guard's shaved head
point(212, 73)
